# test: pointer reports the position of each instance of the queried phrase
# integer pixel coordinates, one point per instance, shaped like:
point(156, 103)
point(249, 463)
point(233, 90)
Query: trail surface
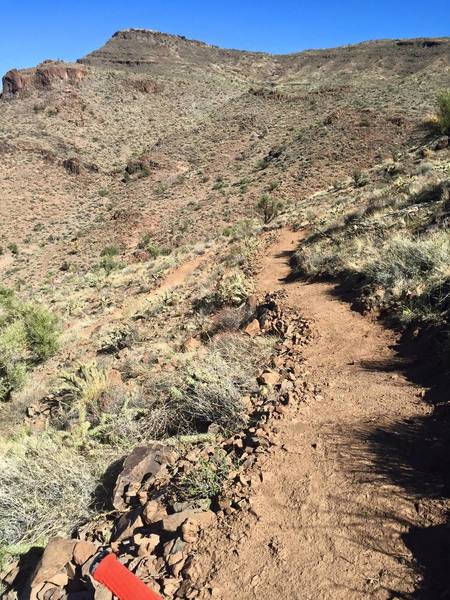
point(328, 517)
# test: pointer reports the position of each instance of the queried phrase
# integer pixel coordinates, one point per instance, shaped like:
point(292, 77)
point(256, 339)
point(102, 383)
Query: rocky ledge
point(19, 83)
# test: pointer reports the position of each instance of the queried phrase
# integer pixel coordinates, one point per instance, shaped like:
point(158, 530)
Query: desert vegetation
point(393, 252)
point(443, 115)
point(28, 335)
point(161, 185)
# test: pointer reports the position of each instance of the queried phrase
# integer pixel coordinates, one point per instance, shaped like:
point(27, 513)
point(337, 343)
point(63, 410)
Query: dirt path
point(327, 520)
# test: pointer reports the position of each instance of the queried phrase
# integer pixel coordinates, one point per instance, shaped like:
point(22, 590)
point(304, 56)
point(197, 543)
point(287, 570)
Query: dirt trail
point(173, 279)
point(327, 521)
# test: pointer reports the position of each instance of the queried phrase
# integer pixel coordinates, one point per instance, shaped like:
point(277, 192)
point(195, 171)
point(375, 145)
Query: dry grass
point(45, 489)
point(394, 251)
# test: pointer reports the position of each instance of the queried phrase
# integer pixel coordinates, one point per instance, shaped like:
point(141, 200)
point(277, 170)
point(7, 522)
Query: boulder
point(51, 568)
point(144, 462)
point(127, 525)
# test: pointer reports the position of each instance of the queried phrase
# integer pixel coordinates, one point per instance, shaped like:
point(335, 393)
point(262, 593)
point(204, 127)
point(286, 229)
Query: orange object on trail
point(120, 581)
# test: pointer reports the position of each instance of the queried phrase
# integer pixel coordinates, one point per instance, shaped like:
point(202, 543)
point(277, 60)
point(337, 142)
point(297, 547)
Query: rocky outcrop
point(44, 76)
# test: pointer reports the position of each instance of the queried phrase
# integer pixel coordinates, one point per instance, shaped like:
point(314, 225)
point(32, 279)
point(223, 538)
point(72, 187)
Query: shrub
point(206, 392)
point(109, 264)
point(268, 207)
point(28, 334)
point(360, 178)
point(231, 289)
point(42, 330)
point(110, 251)
point(152, 248)
point(443, 114)
point(207, 478)
point(45, 489)
point(79, 393)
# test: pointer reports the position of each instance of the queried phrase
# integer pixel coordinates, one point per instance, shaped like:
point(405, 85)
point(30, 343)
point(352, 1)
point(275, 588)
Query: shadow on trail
point(411, 457)
point(408, 459)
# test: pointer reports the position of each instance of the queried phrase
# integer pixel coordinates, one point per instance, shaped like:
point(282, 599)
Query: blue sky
point(33, 30)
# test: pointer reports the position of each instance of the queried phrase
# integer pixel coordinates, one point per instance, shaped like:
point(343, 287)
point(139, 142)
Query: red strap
point(121, 582)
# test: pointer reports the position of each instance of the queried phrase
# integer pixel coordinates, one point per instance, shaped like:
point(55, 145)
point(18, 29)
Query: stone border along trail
point(324, 522)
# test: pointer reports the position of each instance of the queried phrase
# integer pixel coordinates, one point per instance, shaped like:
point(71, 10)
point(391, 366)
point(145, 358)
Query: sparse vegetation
point(153, 249)
point(28, 335)
point(396, 259)
point(110, 251)
point(206, 480)
point(269, 207)
point(443, 114)
point(45, 489)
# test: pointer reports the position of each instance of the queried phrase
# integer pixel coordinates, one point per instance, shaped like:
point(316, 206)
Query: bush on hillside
point(269, 208)
point(28, 334)
point(443, 102)
point(45, 489)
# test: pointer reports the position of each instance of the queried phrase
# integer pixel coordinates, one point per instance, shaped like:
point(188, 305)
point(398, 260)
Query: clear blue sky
point(33, 30)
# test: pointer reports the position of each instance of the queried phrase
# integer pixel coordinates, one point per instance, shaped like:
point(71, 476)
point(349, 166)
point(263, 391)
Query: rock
point(252, 302)
point(173, 546)
point(57, 554)
point(253, 328)
point(269, 378)
point(176, 562)
point(193, 525)
point(101, 593)
point(83, 551)
point(49, 592)
point(287, 385)
point(440, 143)
point(143, 462)
point(21, 83)
point(172, 523)
point(127, 525)
point(199, 504)
point(153, 511)
point(146, 543)
point(170, 585)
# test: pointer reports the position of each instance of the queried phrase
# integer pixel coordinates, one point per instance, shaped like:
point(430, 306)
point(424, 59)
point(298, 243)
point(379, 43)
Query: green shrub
point(151, 247)
point(42, 330)
point(231, 289)
point(443, 114)
point(360, 178)
point(110, 251)
point(269, 207)
point(207, 478)
point(109, 264)
point(28, 334)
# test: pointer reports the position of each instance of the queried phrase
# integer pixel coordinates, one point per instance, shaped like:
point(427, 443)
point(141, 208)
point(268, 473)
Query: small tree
point(269, 207)
point(443, 102)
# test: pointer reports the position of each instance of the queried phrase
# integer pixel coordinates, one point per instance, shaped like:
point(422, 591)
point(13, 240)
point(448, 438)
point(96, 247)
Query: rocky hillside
point(141, 186)
point(159, 131)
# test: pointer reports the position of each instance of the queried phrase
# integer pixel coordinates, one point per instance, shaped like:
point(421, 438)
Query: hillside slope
point(135, 216)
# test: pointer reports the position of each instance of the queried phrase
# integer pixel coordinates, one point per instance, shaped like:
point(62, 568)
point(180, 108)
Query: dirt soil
point(329, 519)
